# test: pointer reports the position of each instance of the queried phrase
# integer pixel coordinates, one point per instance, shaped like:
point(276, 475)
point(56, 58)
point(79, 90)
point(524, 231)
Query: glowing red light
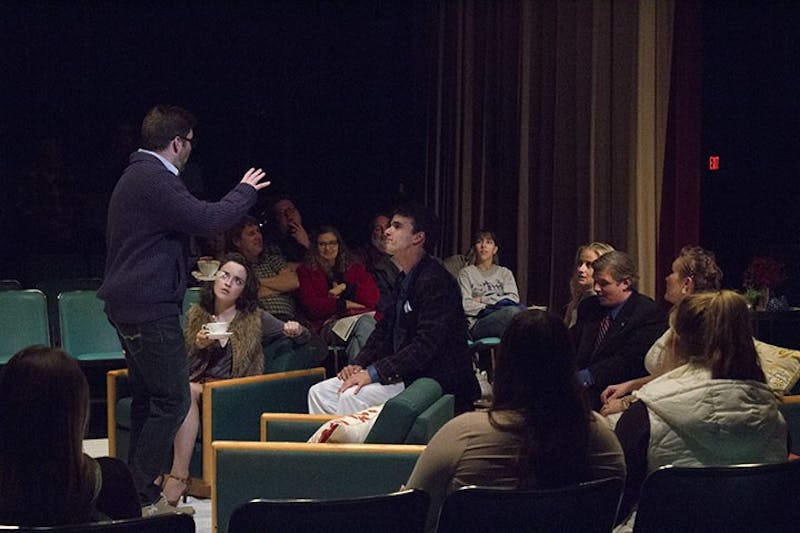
point(713, 162)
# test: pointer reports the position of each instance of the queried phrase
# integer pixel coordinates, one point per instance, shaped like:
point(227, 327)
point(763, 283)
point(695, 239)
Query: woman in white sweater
point(713, 408)
point(489, 291)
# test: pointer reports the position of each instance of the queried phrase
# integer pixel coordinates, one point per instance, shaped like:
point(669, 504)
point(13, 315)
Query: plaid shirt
point(270, 264)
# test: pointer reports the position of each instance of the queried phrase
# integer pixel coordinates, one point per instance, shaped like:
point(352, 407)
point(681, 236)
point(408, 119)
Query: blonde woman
point(713, 408)
point(694, 270)
point(582, 282)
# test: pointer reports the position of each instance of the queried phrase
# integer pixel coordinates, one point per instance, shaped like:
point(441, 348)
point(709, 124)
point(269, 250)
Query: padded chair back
point(52, 287)
point(721, 498)
point(280, 470)
point(399, 414)
point(399, 512)
point(174, 523)
point(10, 285)
point(584, 508)
point(86, 333)
point(192, 296)
point(454, 264)
point(23, 321)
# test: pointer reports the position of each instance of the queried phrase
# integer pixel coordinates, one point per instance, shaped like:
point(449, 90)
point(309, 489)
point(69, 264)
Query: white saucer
point(200, 277)
point(220, 336)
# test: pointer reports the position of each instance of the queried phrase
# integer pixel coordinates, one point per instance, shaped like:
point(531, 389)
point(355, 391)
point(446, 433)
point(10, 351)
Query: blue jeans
point(363, 328)
point(494, 324)
point(158, 372)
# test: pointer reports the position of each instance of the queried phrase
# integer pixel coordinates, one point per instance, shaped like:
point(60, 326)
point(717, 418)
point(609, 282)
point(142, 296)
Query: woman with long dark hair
point(232, 299)
point(539, 431)
point(45, 478)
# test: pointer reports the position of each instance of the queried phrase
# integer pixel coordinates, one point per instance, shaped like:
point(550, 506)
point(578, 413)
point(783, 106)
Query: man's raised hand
point(253, 176)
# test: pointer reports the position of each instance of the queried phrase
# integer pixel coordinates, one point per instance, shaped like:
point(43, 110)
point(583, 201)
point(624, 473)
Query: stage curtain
point(547, 123)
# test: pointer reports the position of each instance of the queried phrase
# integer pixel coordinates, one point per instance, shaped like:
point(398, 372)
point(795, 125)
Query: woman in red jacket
point(334, 285)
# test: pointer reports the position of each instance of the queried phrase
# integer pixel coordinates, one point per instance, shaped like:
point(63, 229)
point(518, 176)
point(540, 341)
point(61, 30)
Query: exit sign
point(713, 162)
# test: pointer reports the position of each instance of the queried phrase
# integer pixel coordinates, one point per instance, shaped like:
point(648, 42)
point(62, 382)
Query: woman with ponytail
point(713, 408)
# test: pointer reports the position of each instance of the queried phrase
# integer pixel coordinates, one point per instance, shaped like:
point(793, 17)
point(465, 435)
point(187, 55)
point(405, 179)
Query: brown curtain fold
point(547, 124)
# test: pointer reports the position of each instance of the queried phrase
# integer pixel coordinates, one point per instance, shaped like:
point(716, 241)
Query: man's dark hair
point(274, 199)
point(423, 219)
point(162, 124)
point(234, 233)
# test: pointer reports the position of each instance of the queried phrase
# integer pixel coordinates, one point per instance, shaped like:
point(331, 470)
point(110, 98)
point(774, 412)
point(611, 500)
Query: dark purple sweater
point(150, 215)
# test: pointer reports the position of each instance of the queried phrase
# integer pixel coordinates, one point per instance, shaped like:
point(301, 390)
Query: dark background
point(329, 98)
point(751, 119)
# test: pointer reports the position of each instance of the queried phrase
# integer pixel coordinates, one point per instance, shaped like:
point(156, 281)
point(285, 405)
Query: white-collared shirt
point(172, 168)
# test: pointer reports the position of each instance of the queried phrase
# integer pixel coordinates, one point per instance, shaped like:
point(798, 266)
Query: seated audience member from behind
point(277, 278)
point(423, 333)
point(615, 328)
point(378, 263)
point(289, 234)
point(489, 291)
point(713, 408)
point(538, 433)
point(45, 478)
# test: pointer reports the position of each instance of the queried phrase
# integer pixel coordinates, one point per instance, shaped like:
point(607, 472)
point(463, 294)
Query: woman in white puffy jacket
point(713, 408)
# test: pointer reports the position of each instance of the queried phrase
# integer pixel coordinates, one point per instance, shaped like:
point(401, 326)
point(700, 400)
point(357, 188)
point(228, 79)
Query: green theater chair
point(230, 410)
point(23, 321)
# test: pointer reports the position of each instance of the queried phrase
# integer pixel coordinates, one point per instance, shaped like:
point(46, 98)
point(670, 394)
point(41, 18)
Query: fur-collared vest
point(248, 355)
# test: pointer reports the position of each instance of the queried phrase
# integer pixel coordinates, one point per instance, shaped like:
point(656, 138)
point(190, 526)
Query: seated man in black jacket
point(423, 332)
point(616, 327)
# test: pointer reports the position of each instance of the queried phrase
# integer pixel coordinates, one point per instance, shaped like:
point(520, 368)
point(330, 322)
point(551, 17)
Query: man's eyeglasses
point(225, 276)
point(192, 141)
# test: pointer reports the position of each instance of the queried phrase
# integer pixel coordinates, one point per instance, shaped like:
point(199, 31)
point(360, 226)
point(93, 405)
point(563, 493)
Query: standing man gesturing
point(150, 215)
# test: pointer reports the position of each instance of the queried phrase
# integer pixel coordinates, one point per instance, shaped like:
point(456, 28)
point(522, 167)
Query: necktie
point(605, 324)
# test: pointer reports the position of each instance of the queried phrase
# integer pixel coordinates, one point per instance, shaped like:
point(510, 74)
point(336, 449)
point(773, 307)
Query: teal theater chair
point(23, 321)
point(412, 417)
point(283, 470)
point(230, 410)
point(86, 333)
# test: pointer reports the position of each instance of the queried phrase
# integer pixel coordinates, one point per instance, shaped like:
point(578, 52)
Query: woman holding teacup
point(224, 334)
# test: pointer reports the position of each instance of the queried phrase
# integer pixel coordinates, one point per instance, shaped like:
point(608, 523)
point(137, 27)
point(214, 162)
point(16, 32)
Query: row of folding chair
point(739, 498)
point(85, 332)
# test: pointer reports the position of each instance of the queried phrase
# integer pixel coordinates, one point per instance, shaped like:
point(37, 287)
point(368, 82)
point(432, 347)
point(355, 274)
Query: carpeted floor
point(202, 508)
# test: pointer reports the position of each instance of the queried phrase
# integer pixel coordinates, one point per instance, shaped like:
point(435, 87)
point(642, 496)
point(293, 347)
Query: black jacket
point(620, 357)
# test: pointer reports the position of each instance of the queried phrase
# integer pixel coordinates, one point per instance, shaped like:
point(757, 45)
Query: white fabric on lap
point(324, 397)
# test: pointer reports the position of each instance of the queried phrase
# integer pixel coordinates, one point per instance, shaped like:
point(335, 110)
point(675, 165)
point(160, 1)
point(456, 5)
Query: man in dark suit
point(616, 327)
point(423, 333)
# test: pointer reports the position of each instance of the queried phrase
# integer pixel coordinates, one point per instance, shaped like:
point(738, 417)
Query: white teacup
point(208, 267)
point(217, 328)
